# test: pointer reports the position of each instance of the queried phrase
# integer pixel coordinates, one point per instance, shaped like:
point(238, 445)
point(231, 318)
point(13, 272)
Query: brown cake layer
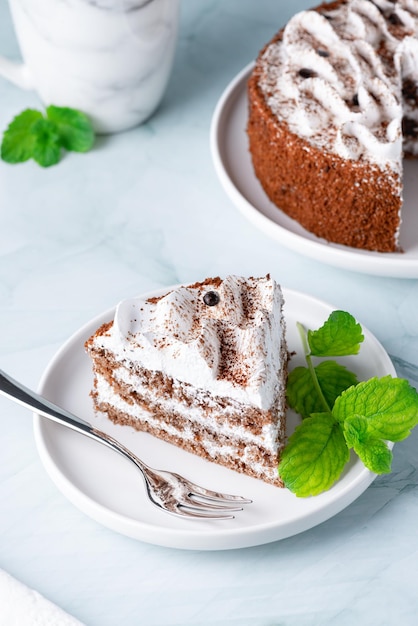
point(231, 457)
point(151, 404)
point(344, 201)
point(156, 386)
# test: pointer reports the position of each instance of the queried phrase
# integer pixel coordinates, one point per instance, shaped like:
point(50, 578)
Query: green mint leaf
point(355, 430)
point(374, 452)
point(75, 129)
point(334, 379)
point(18, 139)
point(390, 406)
point(302, 395)
point(301, 392)
point(46, 147)
point(314, 456)
point(31, 135)
point(375, 455)
point(340, 335)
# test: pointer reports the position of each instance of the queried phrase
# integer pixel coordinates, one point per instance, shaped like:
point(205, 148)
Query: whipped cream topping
point(233, 348)
point(336, 77)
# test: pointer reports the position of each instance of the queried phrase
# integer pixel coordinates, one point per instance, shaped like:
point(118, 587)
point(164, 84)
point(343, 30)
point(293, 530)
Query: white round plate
point(110, 490)
point(232, 161)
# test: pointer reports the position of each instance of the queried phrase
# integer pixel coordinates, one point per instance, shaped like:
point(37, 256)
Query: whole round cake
point(332, 112)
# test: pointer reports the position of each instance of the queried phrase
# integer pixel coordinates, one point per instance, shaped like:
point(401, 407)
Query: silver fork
point(167, 490)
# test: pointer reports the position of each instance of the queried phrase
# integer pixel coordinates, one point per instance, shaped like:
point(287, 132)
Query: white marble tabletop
point(143, 210)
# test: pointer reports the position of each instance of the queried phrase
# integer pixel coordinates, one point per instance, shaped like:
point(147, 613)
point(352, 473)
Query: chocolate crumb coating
point(354, 202)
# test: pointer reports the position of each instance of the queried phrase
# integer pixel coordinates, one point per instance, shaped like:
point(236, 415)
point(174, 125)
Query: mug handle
point(16, 73)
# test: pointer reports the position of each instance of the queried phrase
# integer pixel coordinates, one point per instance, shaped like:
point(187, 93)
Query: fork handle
point(31, 400)
point(14, 390)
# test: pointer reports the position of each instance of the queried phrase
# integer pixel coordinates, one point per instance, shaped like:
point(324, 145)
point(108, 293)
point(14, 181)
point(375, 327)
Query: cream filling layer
point(267, 441)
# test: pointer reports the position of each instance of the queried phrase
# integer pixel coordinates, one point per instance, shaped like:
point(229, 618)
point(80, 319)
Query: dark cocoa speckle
point(306, 72)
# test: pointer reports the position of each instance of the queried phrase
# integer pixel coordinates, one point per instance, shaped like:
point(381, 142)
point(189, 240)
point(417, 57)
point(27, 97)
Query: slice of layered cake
point(203, 367)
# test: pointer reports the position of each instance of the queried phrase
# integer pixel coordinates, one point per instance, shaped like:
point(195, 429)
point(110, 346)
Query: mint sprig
point(340, 413)
point(32, 134)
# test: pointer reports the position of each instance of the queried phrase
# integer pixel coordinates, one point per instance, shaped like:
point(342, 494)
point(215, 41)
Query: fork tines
point(204, 503)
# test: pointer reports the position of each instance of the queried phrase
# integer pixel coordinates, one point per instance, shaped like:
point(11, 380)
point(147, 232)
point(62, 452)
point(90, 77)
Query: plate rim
point(392, 264)
point(189, 538)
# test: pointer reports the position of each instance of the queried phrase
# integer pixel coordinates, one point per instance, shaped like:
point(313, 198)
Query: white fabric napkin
point(21, 606)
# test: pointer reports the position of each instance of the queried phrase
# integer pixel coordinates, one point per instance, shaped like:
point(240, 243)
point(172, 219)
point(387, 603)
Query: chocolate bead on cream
point(211, 298)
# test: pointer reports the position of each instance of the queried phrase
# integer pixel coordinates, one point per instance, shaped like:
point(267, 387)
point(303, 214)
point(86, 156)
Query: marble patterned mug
point(110, 59)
